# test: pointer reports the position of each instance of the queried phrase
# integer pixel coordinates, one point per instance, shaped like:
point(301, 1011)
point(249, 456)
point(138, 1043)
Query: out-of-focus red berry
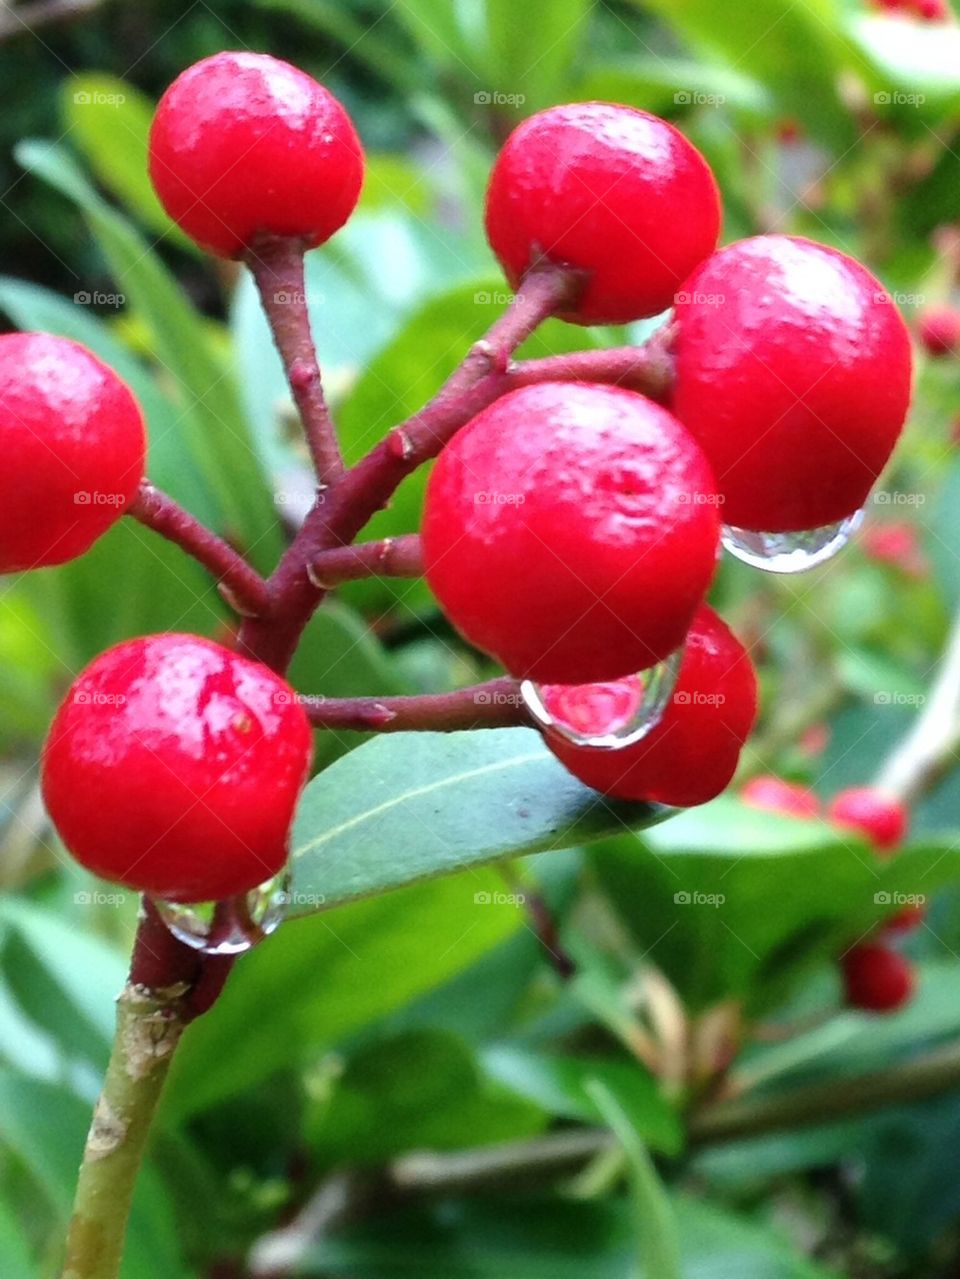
point(906, 920)
point(882, 820)
point(876, 979)
point(939, 330)
point(777, 795)
point(609, 189)
point(895, 543)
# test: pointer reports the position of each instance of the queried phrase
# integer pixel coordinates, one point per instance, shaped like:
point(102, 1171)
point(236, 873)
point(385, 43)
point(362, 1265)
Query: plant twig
point(27, 18)
point(242, 586)
point(277, 266)
point(932, 745)
point(391, 557)
point(496, 704)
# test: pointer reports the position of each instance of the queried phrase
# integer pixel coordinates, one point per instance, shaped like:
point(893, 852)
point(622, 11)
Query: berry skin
point(692, 754)
point(570, 531)
point(611, 190)
point(73, 445)
point(173, 767)
point(243, 145)
point(883, 821)
point(793, 372)
point(939, 330)
point(876, 979)
point(775, 795)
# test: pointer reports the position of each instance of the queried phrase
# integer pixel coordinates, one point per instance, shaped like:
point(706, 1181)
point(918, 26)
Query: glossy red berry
point(692, 754)
point(776, 795)
point(617, 192)
point(570, 531)
point(73, 445)
point(939, 330)
point(173, 766)
point(793, 372)
point(243, 145)
point(876, 979)
point(871, 813)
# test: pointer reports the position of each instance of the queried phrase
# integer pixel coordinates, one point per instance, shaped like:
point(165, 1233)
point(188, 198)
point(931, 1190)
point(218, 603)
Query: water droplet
point(790, 552)
point(231, 926)
point(606, 716)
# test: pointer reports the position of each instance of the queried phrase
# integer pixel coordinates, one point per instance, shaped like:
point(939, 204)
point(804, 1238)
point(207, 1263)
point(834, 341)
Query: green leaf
point(318, 980)
point(917, 58)
point(666, 84)
point(656, 1225)
point(219, 442)
point(409, 806)
point(109, 120)
point(15, 1261)
point(419, 1090)
point(731, 902)
point(794, 50)
point(532, 49)
point(559, 1084)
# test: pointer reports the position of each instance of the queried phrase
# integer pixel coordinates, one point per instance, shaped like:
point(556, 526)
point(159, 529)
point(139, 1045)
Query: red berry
point(895, 543)
point(906, 920)
point(612, 190)
point(882, 820)
point(775, 795)
point(570, 531)
point(73, 444)
point(875, 978)
point(793, 372)
point(693, 752)
point(173, 766)
point(932, 10)
point(939, 330)
point(243, 145)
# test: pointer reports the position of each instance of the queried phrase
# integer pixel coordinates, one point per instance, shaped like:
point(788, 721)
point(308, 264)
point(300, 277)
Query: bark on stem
point(391, 557)
point(242, 586)
point(278, 270)
point(149, 1025)
point(496, 704)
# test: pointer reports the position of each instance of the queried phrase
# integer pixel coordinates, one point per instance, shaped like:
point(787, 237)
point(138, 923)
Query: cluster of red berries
point(876, 977)
point(571, 530)
point(925, 10)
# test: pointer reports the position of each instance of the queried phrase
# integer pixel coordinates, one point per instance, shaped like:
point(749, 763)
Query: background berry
point(613, 190)
point(939, 330)
point(73, 443)
point(693, 752)
point(173, 766)
point(793, 372)
point(777, 795)
point(243, 144)
point(570, 531)
point(882, 820)
point(876, 979)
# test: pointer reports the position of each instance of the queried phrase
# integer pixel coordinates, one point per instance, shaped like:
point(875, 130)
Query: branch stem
point(496, 704)
point(277, 266)
point(391, 557)
point(241, 584)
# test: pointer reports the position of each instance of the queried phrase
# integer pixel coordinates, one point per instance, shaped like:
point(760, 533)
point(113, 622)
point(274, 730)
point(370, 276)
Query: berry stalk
point(496, 704)
point(277, 266)
point(240, 583)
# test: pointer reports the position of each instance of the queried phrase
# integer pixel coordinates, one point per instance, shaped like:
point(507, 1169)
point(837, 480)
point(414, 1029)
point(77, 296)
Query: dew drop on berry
point(790, 552)
point(605, 716)
point(231, 926)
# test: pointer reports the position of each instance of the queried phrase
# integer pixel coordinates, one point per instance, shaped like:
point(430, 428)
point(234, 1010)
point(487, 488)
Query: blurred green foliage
point(426, 1016)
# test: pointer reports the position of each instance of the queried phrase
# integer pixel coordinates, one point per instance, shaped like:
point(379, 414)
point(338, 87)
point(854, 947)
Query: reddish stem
point(496, 704)
point(391, 557)
point(277, 266)
point(242, 586)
